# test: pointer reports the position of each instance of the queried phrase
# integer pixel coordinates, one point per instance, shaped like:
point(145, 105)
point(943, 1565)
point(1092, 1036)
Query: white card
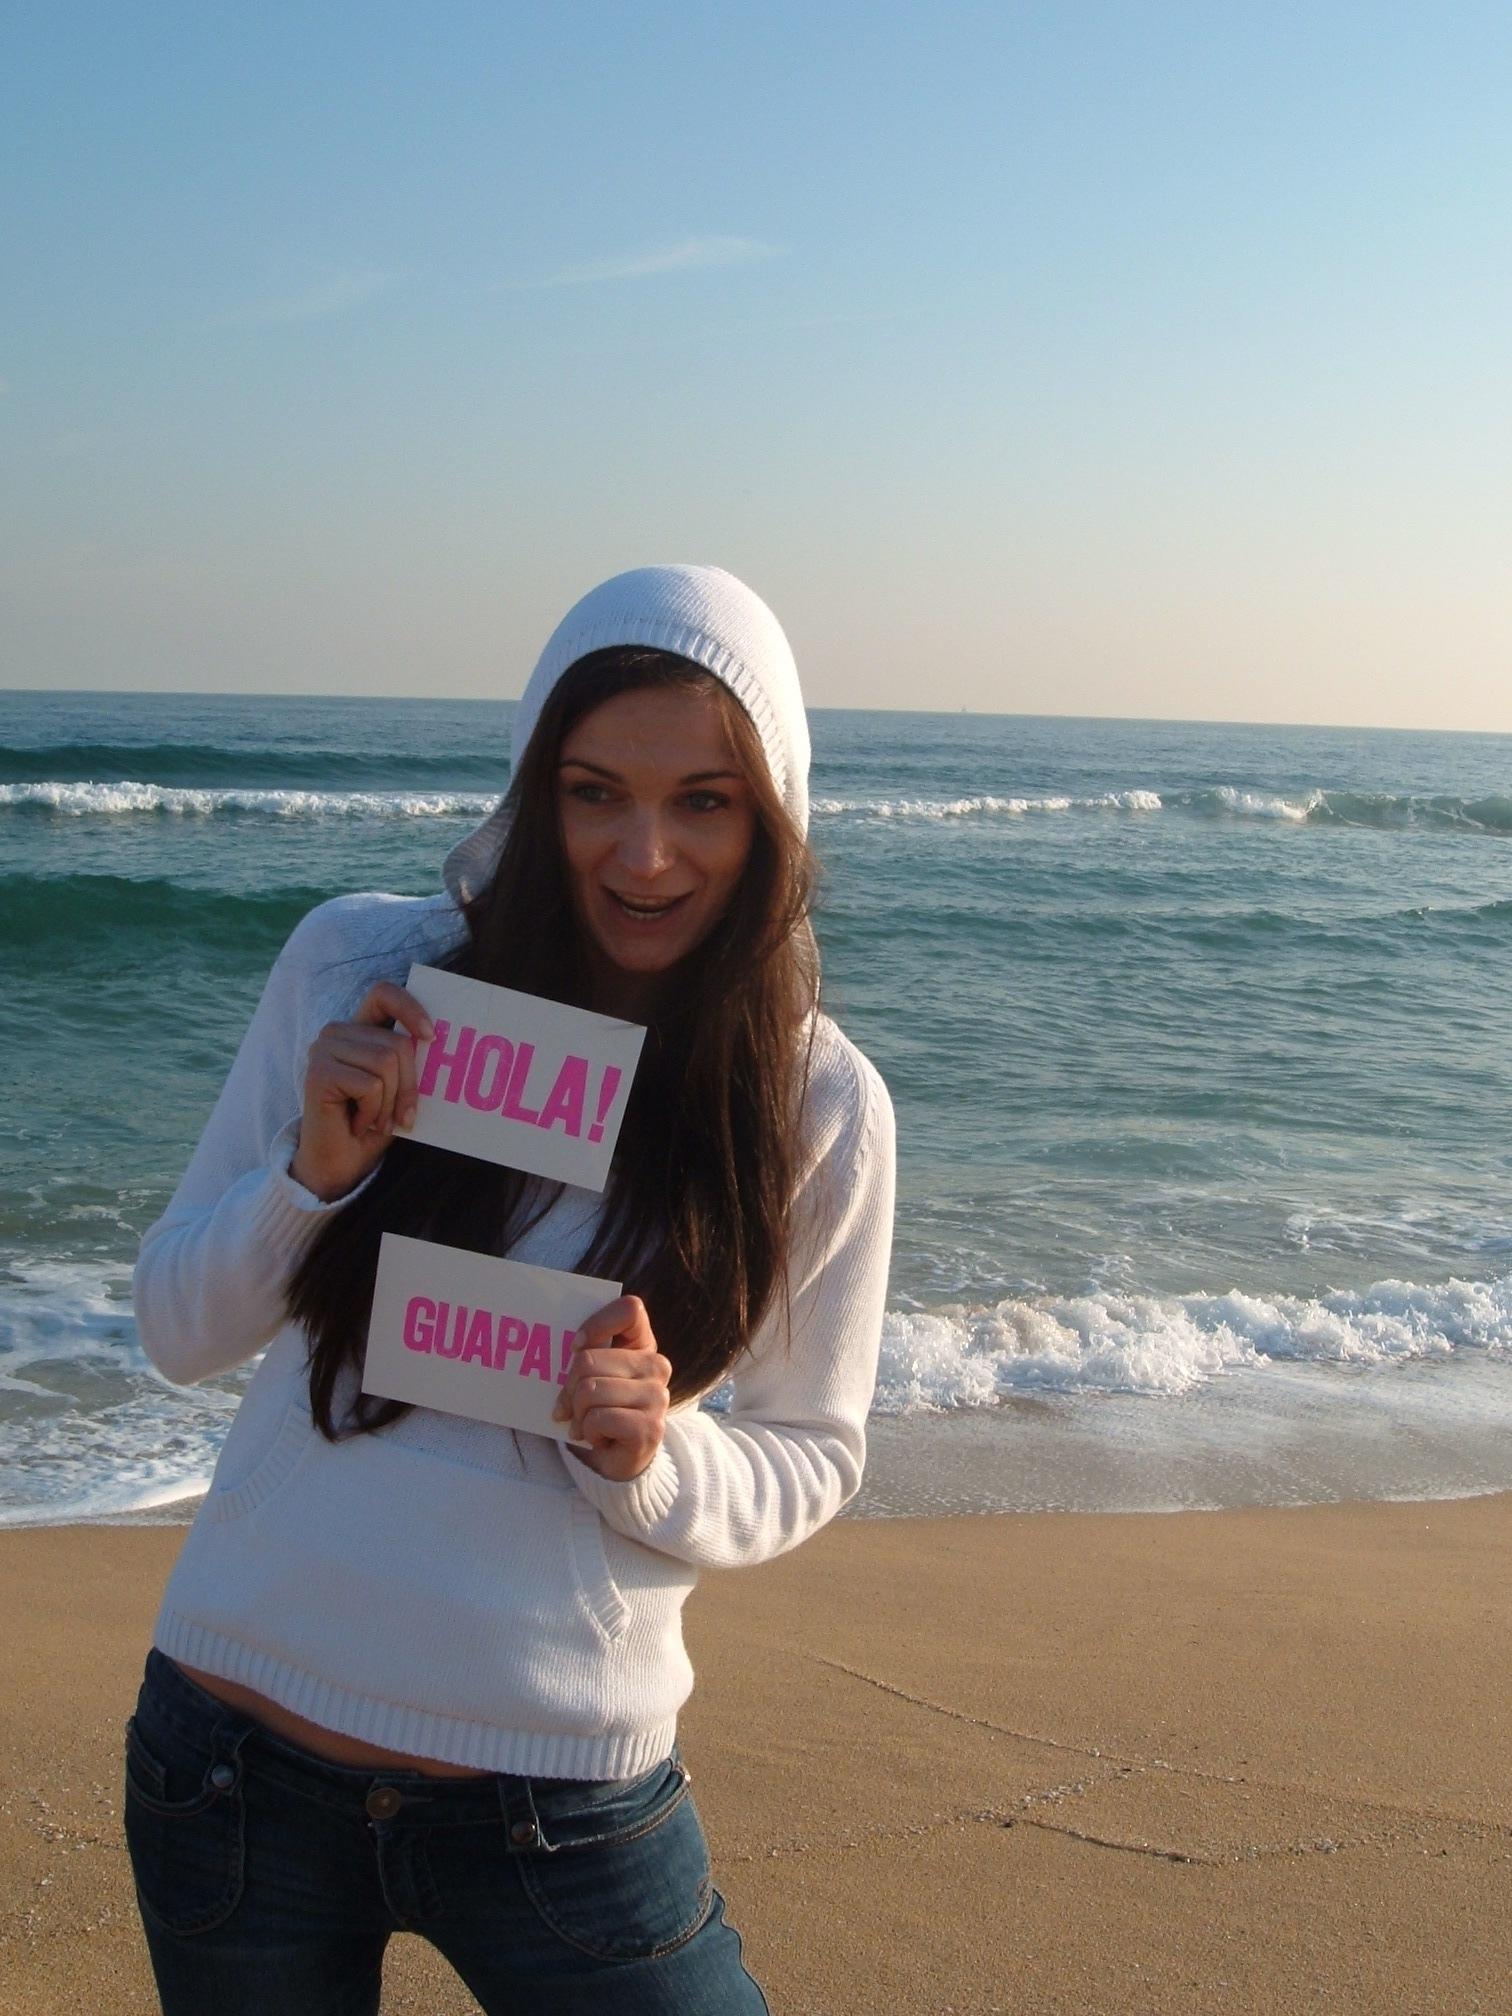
point(475, 1335)
point(516, 1079)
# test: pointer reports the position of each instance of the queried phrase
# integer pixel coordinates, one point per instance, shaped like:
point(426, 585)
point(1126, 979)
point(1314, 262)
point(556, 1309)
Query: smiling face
point(657, 823)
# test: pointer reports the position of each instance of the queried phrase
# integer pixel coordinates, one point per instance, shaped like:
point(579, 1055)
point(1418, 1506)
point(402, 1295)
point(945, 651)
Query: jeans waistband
point(239, 1739)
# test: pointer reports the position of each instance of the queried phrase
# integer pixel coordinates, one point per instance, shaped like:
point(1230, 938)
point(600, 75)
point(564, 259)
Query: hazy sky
point(1069, 358)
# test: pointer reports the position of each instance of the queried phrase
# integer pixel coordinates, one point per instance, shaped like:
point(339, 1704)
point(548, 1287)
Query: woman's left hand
point(615, 1395)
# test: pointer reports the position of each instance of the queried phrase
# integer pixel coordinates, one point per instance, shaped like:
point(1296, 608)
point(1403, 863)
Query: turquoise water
point(1200, 1039)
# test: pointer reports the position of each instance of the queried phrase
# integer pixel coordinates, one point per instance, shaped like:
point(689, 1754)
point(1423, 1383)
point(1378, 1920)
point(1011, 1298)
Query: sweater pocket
point(561, 1520)
point(368, 1556)
point(545, 1539)
point(283, 1456)
point(439, 1468)
point(606, 1606)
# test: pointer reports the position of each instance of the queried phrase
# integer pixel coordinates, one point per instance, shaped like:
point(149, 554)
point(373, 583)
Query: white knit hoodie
point(446, 1587)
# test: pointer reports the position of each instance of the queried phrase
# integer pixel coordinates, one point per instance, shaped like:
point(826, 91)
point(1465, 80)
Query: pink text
point(486, 1337)
point(490, 1074)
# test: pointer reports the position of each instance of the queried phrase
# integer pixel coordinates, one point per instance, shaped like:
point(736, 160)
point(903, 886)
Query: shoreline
point(1285, 1443)
point(178, 1513)
point(1049, 1762)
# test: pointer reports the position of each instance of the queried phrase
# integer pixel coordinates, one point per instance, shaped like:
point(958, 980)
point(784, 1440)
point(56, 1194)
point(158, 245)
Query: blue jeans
point(269, 1879)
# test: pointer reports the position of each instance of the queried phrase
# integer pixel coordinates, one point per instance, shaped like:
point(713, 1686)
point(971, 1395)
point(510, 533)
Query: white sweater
point(443, 1586)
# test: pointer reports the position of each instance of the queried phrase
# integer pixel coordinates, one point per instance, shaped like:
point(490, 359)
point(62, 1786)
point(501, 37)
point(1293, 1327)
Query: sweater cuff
point(288, 1216)
point(637, 1506)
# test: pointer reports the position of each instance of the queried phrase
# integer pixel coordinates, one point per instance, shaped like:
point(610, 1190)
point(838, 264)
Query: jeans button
point(223, 1777)
point(523, 1832)
point(383, 1802)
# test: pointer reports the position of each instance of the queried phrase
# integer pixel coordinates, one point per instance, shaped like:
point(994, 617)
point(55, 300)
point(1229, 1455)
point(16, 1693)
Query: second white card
point(474, 1335)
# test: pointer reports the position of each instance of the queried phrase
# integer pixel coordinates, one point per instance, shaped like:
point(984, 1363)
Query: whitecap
point(1166, 1346)
point(983, 807)
point(117, 800)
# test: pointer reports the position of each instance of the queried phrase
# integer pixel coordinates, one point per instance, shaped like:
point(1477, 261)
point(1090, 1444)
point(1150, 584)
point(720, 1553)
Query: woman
point(418, 1672)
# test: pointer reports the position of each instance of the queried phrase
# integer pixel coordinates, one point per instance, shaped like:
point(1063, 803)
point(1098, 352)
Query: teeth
point(645, 906)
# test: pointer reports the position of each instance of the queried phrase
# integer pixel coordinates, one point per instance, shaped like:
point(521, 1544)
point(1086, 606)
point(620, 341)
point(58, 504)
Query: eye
point(587, 792)
point(706, 801)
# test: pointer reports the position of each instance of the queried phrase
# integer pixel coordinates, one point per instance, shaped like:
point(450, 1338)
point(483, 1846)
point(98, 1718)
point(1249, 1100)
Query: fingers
point(381, 1056)
point(604, 1392)
point(623, 1322)
point(387, 1001)
point(386, 1056)
point(641, 1382)
point(359, 1086)
point(616, 1341)
point(618, 1377)
point(628, 1366)
point(367, 1043)
point(631, 1436)
point(362, 1092)
point(395, 1003)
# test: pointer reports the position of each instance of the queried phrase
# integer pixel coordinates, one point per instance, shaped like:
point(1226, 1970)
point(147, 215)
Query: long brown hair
point(695, 1217)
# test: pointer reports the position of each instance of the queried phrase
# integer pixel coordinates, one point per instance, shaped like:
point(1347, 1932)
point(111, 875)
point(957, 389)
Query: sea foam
point(87, 799)
point(1315, 806)
point(81, 798)
point(89, 1429)
point(983, 807)
point(1164, 1346)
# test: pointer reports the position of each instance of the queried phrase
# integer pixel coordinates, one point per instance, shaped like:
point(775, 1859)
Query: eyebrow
point(693, 776)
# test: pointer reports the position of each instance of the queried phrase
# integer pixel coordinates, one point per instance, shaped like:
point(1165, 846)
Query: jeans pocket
point(622, 1869)
point(184, 1830)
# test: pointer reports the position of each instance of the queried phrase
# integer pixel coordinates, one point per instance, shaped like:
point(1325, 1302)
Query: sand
point(1255, 1760)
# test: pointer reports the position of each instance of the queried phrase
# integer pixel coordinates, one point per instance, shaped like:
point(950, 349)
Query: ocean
point(1199, 1036)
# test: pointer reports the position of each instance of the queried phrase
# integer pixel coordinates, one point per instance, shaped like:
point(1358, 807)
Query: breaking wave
point(1385, 810)
point(127, 798)
point(1164, 1346)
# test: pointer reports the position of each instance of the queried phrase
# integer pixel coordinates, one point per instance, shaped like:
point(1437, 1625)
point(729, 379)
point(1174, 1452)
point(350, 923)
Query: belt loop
point(522, 1823)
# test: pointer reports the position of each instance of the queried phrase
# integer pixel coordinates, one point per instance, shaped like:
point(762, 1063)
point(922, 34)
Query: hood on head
point(700, 613)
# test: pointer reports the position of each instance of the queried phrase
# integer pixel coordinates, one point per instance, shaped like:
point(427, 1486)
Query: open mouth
point(645, 909)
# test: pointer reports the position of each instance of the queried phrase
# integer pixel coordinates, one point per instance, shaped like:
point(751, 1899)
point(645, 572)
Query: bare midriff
point(327, 1743)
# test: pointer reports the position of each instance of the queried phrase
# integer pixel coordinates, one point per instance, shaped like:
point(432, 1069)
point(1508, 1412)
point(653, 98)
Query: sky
point(1071, 358)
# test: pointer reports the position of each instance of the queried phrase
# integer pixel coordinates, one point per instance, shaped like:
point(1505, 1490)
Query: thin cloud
point(688, 255)
point(744, 328)
point(333, 295)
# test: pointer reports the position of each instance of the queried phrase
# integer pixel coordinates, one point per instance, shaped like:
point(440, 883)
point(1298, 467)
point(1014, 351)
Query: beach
point(1254, 1760)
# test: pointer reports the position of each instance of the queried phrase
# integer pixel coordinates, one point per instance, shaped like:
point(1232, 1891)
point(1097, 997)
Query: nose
point(645, 847)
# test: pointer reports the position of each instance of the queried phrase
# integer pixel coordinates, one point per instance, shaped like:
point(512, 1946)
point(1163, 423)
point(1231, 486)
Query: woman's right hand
point(359, 1086)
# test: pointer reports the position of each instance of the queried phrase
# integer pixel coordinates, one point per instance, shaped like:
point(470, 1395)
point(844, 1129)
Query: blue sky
point(1106, 359)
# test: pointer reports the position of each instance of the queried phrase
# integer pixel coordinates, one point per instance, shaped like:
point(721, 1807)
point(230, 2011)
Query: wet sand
point(1252, 1760)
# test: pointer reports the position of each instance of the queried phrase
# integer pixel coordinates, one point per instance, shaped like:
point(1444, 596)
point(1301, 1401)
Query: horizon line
point(811, 707)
